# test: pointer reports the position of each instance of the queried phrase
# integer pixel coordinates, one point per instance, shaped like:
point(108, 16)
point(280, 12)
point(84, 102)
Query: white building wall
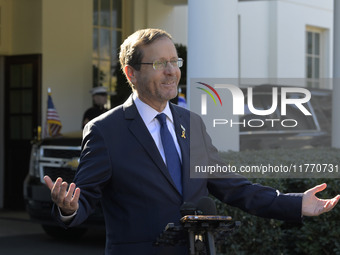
point(273, 37)
point(213, 53)
point(67, 59)
point(254, 39)
point(25, 30)
point(156, 14)
point(293, 18)
point(173, 19)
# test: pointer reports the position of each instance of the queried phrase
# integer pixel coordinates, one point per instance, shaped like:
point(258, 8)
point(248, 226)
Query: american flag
point(53, 120)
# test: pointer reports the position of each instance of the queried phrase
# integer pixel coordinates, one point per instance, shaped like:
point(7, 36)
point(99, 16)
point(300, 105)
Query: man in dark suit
point(99, 100)
point(125, 163)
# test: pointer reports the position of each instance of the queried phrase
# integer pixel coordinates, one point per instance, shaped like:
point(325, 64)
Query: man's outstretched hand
point(313, 206)
point(66, 200)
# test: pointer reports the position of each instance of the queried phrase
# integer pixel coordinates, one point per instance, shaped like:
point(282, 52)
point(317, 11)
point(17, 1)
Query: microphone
point(203, 225)
point(187, 208)
point(206, 206)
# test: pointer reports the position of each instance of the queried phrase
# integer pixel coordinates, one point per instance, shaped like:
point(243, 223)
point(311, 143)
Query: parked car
point(293, 130)
point(55, 157)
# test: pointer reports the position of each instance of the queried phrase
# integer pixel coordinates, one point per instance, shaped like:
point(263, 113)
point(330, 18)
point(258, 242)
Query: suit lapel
point(182, 129)
point(142, 134)
point(182, 121)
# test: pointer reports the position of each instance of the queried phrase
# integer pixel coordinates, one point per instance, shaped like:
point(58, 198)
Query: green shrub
point(315, 235)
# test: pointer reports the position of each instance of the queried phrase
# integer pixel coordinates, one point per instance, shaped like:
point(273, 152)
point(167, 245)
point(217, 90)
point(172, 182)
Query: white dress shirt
point(148, 115)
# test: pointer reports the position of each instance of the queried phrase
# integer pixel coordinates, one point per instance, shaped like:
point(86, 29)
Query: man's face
point(156, 87)
point(100, 99)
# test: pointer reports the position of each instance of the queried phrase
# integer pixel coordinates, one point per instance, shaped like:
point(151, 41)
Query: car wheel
point(61, 233)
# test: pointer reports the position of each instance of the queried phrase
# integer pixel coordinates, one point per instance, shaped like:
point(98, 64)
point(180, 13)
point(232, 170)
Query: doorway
point(22, 116)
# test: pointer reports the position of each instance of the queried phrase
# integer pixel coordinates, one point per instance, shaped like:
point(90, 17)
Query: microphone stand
point(199, 231)
point(211, 243)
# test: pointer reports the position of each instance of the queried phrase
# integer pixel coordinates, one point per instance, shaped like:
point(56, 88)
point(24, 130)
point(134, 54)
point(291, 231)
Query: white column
point(273, 40)
point(213, 53)
point(212, 38)
point(336, 78)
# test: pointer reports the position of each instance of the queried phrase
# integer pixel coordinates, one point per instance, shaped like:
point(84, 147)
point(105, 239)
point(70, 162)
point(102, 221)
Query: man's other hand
point(65, 199)
point(313, 206)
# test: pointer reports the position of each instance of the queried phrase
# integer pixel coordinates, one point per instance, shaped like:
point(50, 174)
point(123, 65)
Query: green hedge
point(315, 235)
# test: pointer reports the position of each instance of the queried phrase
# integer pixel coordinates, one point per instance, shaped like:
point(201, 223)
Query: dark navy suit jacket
point(121, 166)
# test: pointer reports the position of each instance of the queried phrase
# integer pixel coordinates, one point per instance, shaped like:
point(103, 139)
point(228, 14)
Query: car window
point(294, 120)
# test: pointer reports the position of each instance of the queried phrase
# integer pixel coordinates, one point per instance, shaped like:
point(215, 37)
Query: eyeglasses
point(161, 64)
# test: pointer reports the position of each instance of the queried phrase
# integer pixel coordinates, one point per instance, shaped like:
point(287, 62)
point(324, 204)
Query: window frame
point(110, 59)
point(313, 80)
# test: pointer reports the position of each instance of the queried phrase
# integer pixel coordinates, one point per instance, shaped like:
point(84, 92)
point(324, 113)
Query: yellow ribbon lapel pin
point(183, 132)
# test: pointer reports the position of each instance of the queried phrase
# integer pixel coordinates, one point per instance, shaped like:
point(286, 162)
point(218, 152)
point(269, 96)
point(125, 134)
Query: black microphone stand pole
point(211, 243)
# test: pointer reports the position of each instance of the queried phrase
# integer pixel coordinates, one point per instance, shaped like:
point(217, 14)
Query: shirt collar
point(148, 113)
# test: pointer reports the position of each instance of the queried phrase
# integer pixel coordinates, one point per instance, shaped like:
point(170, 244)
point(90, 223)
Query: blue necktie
point(173, 161)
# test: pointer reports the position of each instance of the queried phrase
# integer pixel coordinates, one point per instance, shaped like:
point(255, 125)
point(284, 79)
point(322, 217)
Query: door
point(22, 116)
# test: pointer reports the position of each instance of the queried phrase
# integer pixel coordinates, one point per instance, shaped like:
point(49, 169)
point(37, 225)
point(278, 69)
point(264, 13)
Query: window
point(107, 36)
point(313, 58)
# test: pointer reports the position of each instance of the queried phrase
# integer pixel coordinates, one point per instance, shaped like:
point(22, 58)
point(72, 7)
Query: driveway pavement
point(18, 235)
